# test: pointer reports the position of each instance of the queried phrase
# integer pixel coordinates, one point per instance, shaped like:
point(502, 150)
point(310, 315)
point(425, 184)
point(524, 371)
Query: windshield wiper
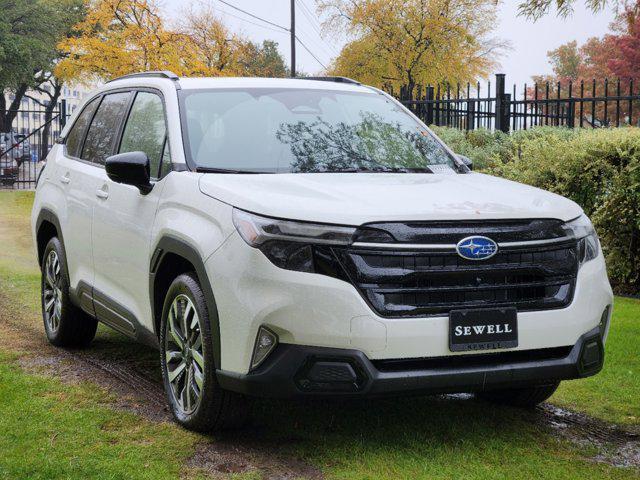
point(225, 170)
point(381, 170)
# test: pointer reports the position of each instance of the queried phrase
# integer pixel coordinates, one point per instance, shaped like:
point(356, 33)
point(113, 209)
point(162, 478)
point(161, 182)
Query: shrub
point(482, 146)
point(598, 169)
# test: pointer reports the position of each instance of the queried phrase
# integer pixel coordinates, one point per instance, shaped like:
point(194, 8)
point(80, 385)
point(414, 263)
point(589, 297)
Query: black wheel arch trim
point(46, 215)
point(172, 245)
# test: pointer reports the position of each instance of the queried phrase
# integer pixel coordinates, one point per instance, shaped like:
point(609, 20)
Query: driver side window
point(146, 130)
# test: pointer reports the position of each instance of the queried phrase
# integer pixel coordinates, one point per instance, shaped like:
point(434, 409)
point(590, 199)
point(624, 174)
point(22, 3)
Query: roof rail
point(153, 74)
point(332, 79)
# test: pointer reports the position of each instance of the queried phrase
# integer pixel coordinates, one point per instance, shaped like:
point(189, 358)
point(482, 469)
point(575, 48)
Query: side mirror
point(131, 168)
point(467, 161)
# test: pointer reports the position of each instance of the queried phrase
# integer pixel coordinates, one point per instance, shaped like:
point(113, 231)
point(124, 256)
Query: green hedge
point(598, 169)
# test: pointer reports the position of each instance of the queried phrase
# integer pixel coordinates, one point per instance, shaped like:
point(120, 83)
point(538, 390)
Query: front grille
point(409, 283)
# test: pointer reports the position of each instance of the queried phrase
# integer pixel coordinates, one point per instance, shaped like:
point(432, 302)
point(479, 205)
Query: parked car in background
point(305, 238)
point(24, 148)
point(9, 165)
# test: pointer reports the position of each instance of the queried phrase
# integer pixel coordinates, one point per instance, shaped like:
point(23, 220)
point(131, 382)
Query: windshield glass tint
point(277, 130)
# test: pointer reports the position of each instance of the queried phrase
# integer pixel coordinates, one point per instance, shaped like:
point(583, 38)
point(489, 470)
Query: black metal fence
point(24, 148)
point(585, 104)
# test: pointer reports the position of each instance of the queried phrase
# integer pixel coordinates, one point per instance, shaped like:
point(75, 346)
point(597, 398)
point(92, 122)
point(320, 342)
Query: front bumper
point(303, 371)
point(315, 310)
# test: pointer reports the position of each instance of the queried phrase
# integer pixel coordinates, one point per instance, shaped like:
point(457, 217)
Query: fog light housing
point(266, 341)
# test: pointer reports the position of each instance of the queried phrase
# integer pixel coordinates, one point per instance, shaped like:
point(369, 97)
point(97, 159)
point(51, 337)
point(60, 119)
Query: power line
point(254, 16)
point(315, 24)
point(311, 53)
point(319, 46)
point(270, 23)
point(307, 14)
point(249, 21)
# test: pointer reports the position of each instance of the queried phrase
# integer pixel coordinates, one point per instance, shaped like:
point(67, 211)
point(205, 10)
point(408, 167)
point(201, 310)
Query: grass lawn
point(53, 430)
point(614, 394)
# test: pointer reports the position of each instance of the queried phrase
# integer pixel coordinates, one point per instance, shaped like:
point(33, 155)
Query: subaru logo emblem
point(476, 248)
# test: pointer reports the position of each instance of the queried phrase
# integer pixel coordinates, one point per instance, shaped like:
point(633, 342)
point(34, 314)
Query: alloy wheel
point(52, 292)
point(184, 358)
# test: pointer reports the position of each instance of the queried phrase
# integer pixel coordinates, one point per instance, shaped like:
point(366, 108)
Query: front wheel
point(195, 398)
point(520, 397)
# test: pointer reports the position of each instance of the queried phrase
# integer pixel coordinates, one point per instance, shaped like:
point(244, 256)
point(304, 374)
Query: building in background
point(31, 112)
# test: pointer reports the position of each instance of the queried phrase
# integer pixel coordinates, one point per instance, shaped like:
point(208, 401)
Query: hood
point(357, 198)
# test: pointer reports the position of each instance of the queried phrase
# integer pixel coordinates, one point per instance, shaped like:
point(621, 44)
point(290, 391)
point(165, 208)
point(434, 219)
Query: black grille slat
point(453, 231)
point(399, 283)
point(440, 307)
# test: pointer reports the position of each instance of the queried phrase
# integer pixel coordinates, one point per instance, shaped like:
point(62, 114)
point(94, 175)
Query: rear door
point(123, 219)
point(75, 178)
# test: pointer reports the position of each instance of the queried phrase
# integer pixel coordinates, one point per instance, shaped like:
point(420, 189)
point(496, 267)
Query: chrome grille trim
point(452, 247)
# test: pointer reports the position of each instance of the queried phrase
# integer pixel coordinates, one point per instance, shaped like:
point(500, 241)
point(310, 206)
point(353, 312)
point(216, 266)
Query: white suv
point(289, 238)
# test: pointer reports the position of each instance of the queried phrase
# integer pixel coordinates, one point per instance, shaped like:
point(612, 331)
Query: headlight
point(256, 230)
point(582, 230)
point(293, 245)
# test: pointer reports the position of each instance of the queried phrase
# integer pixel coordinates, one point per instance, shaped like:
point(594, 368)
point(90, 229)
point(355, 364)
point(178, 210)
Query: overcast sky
point(530, 41)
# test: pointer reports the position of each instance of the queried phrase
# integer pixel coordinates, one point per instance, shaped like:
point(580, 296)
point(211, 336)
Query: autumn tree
point(406, 43)
point(124, 36)
point(119, 37)
point(213, 49)
point(614, 56)
point(263, 60)
point(535, 9)
point(626, 62)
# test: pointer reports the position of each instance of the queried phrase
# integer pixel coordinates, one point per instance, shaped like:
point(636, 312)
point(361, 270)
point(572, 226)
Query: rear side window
point(146, 129)
point(76, 134)
point(105, 127)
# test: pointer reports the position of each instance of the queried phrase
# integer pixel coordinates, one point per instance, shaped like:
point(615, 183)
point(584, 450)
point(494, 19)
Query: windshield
point(296, 130)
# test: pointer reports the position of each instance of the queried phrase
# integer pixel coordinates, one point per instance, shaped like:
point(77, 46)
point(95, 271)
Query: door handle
point(102, 193)
point(65, 178)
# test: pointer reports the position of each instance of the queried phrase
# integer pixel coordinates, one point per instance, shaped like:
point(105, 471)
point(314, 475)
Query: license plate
point(485, 329)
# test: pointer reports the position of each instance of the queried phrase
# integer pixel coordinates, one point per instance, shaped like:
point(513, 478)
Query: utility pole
point(293, 38)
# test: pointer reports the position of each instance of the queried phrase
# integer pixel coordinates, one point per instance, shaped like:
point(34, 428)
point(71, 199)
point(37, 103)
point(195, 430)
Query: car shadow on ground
point(382, 432)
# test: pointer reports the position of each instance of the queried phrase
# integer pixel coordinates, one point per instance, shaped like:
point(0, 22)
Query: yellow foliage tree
point(214, 51)
point(118, 37)
point(123, 36)
point(406, 43)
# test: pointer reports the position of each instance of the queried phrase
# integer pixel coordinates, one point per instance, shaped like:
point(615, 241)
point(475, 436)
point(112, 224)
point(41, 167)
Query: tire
point(521, 397)
point(195, 398)
point(64, 323)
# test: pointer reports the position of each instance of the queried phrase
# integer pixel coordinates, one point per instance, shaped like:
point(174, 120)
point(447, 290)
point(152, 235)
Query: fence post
point(63, 114)
point(471, 115)
point(429, 112)
point(503, 104)
point(571, 118)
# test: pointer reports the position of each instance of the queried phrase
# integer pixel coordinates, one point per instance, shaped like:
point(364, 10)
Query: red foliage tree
point(626, 63)
point(614, 56)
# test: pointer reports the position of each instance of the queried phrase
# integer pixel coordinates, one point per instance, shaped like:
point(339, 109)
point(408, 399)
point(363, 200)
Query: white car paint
point(373, 197)
point(110, 242)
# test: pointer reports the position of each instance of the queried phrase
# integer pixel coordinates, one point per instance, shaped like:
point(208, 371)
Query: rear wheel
point(195, 398)
point(521, 397)
point(64, 323)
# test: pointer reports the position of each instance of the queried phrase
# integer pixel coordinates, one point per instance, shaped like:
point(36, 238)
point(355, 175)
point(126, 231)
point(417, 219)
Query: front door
point(122, 223)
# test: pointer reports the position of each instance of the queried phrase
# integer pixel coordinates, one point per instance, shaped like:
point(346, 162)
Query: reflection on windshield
point(297, 130)
point(372, 144)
